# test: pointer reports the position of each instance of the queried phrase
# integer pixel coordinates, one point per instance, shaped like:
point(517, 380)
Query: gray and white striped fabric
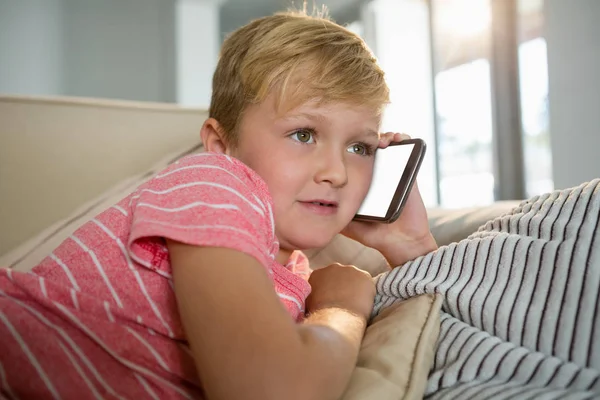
point(520, 316)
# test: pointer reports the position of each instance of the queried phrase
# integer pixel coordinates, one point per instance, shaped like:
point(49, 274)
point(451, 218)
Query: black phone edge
point(399, 199)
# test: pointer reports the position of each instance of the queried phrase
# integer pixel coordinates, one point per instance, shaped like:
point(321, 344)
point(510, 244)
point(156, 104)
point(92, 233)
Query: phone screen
point(390, 164)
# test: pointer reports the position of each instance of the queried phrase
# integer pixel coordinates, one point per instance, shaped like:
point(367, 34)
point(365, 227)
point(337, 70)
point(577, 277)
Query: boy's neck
point(283, 256)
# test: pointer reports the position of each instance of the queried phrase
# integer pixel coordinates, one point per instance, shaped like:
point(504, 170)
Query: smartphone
point(395, 172)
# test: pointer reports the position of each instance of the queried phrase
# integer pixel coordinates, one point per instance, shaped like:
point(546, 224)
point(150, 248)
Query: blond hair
point(298, 57)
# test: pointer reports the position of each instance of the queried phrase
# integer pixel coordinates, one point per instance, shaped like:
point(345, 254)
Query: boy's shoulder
point(217, 168)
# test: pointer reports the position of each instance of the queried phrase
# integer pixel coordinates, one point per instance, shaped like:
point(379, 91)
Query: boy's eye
point(303, 136)
point(360, 149)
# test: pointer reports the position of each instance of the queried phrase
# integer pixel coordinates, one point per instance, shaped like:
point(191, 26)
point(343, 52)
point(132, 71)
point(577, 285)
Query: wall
point(149, 50)
point(120, 49)
point(31, 46)
point(108, 48)
point(572, 32)
point(235, 13)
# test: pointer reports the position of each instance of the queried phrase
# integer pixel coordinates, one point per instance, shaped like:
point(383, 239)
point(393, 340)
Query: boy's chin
point(308, 243)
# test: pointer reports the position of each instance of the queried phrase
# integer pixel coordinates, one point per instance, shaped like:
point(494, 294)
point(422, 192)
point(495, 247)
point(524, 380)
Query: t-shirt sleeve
point(206, 199)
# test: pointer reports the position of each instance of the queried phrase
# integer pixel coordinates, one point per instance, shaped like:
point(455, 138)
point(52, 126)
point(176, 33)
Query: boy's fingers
point(385, 139)
point(389, 137)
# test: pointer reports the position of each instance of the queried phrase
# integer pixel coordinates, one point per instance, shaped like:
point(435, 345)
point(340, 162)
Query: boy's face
point(317, 162)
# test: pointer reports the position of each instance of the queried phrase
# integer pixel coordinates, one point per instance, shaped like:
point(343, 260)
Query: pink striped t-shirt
point(98, 317)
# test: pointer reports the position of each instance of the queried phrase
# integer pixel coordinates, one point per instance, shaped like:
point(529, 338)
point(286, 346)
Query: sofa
point(64, 160)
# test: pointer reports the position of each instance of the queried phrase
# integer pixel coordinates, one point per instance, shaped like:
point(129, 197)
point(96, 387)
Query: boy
point(205, 254)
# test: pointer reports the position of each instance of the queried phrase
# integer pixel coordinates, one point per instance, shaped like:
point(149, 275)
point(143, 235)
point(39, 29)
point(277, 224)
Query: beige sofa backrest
point(58, 153)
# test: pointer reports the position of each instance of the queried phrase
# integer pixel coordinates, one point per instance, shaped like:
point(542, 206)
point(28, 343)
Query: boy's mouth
point(323, 203)
point(320, 206)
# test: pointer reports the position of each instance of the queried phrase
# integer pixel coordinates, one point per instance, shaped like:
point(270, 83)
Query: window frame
point(507, 136)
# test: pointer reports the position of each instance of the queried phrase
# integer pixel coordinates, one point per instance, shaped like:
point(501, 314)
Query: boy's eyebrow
point(370, 133)
point(307, 115)
point(367, 135)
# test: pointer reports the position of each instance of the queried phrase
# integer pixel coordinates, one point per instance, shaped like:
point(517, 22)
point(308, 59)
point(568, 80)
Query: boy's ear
point(212, 136)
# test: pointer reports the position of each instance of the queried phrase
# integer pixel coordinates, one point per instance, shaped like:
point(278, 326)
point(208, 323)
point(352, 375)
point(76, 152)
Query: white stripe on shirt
point(212, 184)
point(100, 269)
point(188, 206)
point(200, 167)
point(259, 201)
point(108, 312)
point(66, 270)
point(272, 220)
point(43, 286)
point(80, 372)
point(143, 341)
point(4, 383)
point(120, 209)
point(146, 387)
point(136, 273)
point(188, 227)
point(203, 154)
point(32, 359)
point(74, 298)
point(285, 296)
point(124, 361)
point(68, 340)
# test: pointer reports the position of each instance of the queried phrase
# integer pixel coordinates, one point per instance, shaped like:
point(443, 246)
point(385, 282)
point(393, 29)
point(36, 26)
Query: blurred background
point(505, 92)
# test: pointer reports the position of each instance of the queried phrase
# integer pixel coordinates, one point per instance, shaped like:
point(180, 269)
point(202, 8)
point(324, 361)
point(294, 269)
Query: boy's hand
point(341, 286)
point(406, 238)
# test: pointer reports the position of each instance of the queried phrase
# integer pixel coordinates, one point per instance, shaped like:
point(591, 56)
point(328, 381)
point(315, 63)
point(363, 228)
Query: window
point(533, 77)
point(461, 42)
point(470, 77)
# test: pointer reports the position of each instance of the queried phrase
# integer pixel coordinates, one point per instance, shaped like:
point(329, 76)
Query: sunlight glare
point(466, 18)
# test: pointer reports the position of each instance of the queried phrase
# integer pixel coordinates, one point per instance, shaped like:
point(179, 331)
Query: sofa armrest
point(59, 153)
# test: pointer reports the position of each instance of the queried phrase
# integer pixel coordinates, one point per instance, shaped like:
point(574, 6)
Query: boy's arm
point(243, 340)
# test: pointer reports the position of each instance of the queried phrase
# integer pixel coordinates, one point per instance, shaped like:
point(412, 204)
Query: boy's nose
point(332, 169)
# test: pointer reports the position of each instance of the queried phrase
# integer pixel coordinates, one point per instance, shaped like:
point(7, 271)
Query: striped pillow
point(521, 310)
